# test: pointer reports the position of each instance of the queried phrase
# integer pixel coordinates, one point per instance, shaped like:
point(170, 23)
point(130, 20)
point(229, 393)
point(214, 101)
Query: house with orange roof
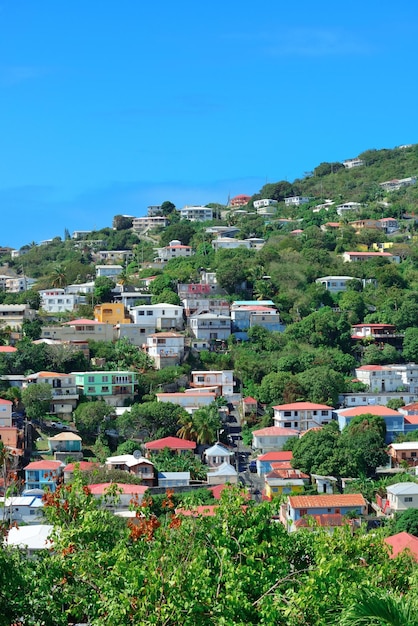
point(272, 438)
point(393, 419)
point(43, 474)
point(302, 415)
point(271, 460)
point(352, 257)
point(118, 497)
point(298, 507)
point(402, 542)
point(174, 250)
point(81, 466)
point(64, 390)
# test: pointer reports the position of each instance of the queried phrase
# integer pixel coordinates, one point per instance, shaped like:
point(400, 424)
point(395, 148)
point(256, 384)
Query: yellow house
point(111, 313)
point(284, 481)
point(382, 246)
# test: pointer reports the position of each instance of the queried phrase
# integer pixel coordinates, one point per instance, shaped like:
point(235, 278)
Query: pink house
point(302, 415)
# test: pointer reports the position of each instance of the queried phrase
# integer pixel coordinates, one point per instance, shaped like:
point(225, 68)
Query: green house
point(113, 387)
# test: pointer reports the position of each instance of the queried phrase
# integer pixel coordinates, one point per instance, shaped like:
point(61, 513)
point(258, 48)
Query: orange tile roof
point(174, 443)
point(127, 489)
point(411, 419)
point(327, 501)
point(282, 455)
point(275, 431)
point(43, 465)
point(327, 519)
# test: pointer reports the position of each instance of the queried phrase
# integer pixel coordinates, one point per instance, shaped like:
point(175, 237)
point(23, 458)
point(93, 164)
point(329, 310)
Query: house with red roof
point(266, 462)
point(174, 250)
point(393, 419)
point(402, 542)
point(240, 200)
point(174, 444)
point(80, 330)
point(350, 257)
point(272, 438)
point(118, 497)
point(379, 332)
point(302, 415)
point(298, 507)
point(43, 474)
point(248, 406)
point(245, 315)
point(81, 466)
point(281, 481)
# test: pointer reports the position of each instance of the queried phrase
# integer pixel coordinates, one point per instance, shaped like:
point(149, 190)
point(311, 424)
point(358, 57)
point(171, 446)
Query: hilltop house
point(302, 415)
point(161, 316)
point(43, 474)
point(114, 386)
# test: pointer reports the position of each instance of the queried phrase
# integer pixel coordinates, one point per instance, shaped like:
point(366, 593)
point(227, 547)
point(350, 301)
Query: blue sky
point(108, 106)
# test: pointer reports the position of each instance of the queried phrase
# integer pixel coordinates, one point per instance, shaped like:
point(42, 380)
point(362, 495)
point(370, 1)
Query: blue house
point(393, 419)
point(323, 509)
point(43, 474)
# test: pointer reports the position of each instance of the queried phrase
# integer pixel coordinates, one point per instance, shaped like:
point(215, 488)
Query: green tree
point(103, 289)
point(410, 345)
point(407, 522)
point(37, 398)
point(322, 384)
point(32, 329)
point(90, 416)
point(122, 222)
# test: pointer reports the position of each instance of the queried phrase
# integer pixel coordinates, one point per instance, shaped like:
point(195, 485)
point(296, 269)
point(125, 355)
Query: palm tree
point(58, 277)
point(187, 428)
point(383, 609)
point(206, 423)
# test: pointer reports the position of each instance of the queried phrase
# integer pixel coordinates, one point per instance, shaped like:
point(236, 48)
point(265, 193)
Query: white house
point(347, 206)
point(210, 326)
point(296, 200)
point(190, 401)
point(350, 163)
point(396, 184)
point(402, 496)
point(224, 473)
point(197, 213)
point(264, 202)
point(19, 284)
point(230, 243)
point(335, 284)
point(353, 256)
point(143, 224)
point(272, 438)
point(58, 300)
point(161, 316)
point(13, 315)
point(389, 378)
point(223, 380)
point(217, 454)
point(110, 271)
point(114, 256)
point(64, 390)
point(174, 250)
point(302, 415)
point(165, 348)
point(22, 509)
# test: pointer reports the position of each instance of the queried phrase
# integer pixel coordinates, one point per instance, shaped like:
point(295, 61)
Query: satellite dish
point(137, 454)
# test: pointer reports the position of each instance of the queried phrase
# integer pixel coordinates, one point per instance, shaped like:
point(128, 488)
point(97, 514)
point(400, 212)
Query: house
point(113, 256)
point(389, 225)
point(136, 334)
point(363, 398)
point(111, 313)
point(210, 326)
point(239, 200)
point(350, 163)
point(272, 438)
point(126, 495)
point(140, 466)
point(197, 213)
point(217, 454)
point(347, 207)
point(190, 402)
point(109, 271)
point(43, 474)
point(230, 243)
point(248, 406)
point(324, 484)
point(302, 415)
point(65, 444)
point(22, 509)
point(245, 316)
point(174, 444)
point(81, 466)
point(58, 300)
point(379, 332)
point(284, 481)
point(6, 413)
point(141, 225)
point(79, 330)
point(389, 378)
point(405, 452)
point(335, 284)
point(64, 390)
point(222, 380)
point(402, 542)
point(17, 284)
point(196, 305)
point(174, 250)
point(358, 225)
point(264, 202)
point(165, 348)
point(396, 184)
point(223, 474)
point(115, 387)
point(393, 419)
point(352, 257)
point(297, 507)
point(14, 315)
point(273, 460)
point(296, 200)
point(173, 479)
point(161, 316)
point(400, 497)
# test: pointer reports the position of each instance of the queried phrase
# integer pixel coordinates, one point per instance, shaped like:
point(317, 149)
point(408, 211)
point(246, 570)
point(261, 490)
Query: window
point(287, 424)
point(408, 499)
point(91, 390)
point(105, 379)
point(413, 455)
point(303, 512)
point(200, 379)
point(90, 379)
point(324, 413)
point(149, 312)
point(141, 312)
point(287, 413)
point(105, 389)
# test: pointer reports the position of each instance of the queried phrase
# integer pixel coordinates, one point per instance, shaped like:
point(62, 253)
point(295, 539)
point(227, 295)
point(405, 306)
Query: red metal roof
point(83, 466)
point(81, 321)
point(8, 349)
point(327, 519)
point(275, 431)
point(174, 443)
point(402, 541)
point(250, 400)
point(411, 419)
point(43, 465)
point(99, 488)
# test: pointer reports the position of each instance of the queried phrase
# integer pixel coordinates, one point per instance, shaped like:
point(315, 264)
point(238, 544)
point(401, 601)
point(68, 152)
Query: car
point(252, 466)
